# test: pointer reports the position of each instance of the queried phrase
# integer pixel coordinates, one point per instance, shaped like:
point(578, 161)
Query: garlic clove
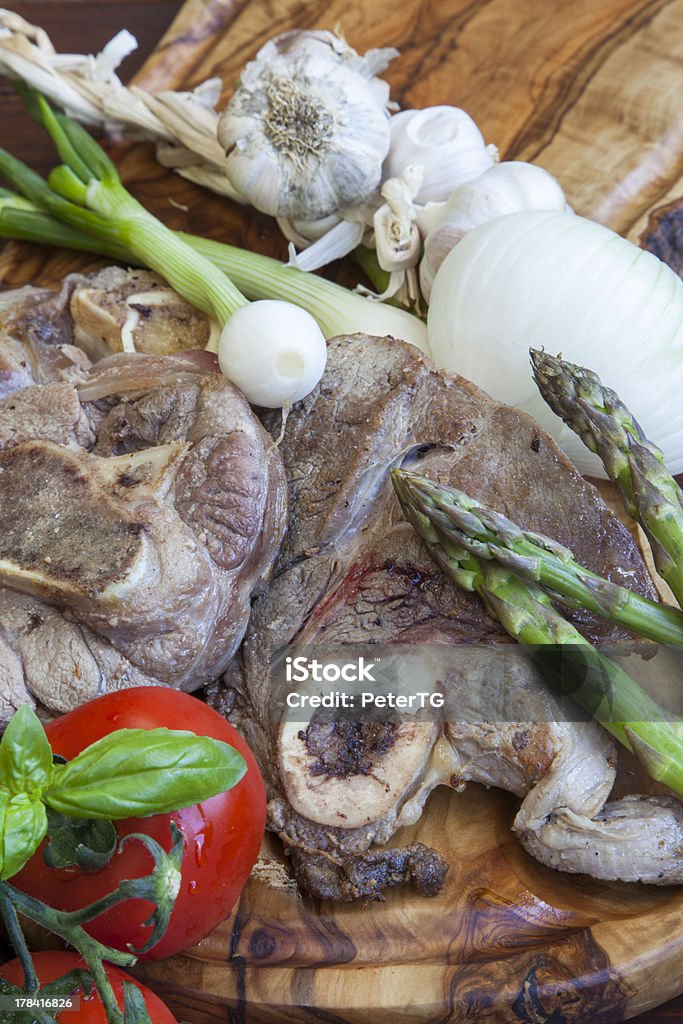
point(429, 217)
point(338, 242)
point(397, 238)
point(507, 187)
point(253, 169)
point(448, 144)
point(305, 232)
point(306, 132)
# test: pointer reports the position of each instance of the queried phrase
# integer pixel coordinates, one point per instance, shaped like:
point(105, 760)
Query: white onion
point(273, 351)
point(504, 188)
point(563, 283)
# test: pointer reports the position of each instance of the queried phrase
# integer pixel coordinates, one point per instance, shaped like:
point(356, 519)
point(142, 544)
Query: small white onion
point(273, 351)
point(571, 286)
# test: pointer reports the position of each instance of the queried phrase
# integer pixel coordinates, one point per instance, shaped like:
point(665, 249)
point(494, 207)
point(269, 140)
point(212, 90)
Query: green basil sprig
point(25, 754)
point(129, 773)
point(23, 824)
point(138, 772)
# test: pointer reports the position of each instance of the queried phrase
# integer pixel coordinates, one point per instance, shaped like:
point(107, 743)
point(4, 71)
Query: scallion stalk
point(22, 220)
point(87, 165)
point(336, 309)
point(86, 194)
point(275, 353)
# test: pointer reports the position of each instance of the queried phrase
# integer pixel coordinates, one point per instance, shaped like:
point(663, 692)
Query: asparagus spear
point(484, 533)
point(634, 463)
point(526, 612)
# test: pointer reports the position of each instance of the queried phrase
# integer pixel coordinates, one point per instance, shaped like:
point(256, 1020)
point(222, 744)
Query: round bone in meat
point(144, 508)
point(351, 773)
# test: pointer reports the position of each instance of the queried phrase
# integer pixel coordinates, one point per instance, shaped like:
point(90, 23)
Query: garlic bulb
point(505, 188)
point(307, 130)
point(302, 42)
point(448, 144)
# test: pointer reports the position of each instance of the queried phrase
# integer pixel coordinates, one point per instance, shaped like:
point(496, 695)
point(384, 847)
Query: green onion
point(276, 355)
point(84, 205)
point(337, 310)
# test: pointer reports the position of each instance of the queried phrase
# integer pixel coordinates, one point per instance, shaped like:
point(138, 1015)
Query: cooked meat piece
point(36, 339)
point(368, 876)
point(353, 571)
point(52, 412)
point(120, 310)
point(48, 336)
point(141, 510)
point(46, 657)
point(635, 839)
point(564, 771)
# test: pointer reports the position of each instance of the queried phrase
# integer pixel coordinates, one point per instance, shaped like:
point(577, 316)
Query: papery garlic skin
point(397, 239)
point(336, 243)
point(321, 43)
point(448, 144)
point(320, 241)
point(509, 187)
point(307, 131)
point(305, 232)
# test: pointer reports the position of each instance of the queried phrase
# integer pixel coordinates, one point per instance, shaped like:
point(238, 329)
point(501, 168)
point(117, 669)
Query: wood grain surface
point(591, 91)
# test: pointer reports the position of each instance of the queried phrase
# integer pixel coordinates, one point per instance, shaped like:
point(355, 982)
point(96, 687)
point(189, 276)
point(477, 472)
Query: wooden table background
point(80, 26)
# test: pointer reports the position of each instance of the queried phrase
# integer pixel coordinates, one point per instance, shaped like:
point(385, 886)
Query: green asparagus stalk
point(635, 464)
point(526, 613)
point(485, 533)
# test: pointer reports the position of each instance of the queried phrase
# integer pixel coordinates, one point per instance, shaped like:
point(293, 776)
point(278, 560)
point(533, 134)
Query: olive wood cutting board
point(591, 90)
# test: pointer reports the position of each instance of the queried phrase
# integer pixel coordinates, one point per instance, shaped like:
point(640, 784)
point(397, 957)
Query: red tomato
point(53, 965)
point(222, 836)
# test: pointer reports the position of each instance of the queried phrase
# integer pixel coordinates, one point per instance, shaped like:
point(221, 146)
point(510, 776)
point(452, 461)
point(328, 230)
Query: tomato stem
point(16, 936)
point(160, 888)
point(61, 923)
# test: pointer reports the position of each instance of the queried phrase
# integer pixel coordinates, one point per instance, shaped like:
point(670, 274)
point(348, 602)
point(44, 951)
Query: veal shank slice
point(352, 571)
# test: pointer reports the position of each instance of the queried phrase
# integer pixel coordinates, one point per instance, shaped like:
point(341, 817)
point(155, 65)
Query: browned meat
point(353, 571)
point(118, 310)
point(36, 339)
point(48, 336)
point(141, 510)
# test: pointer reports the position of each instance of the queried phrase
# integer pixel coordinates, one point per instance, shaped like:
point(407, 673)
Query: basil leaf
point(80, 842)
point(139, 772)
point(23, 824)
point(25, 754)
